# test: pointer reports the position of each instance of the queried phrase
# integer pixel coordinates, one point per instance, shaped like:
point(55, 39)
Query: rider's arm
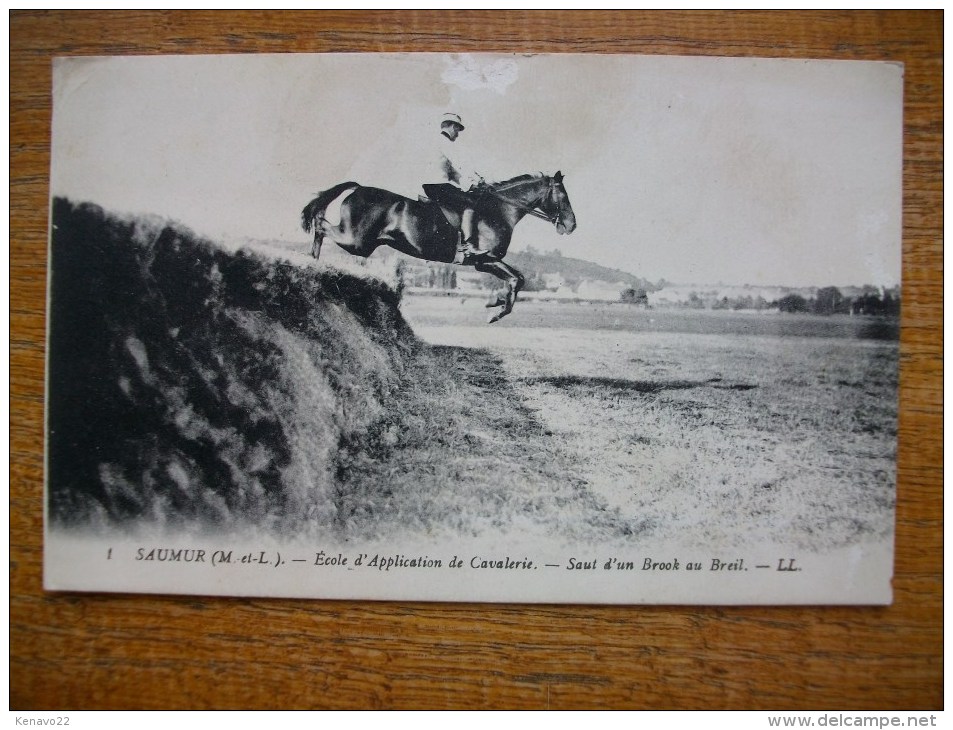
point(469, 178)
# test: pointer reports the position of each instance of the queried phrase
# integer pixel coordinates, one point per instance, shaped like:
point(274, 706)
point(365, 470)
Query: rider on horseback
point(461, 182)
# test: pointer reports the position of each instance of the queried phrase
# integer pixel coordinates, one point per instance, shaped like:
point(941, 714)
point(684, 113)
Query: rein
point(526, 209)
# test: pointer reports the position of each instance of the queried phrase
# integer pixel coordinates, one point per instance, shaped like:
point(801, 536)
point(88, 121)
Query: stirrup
point(466, 250)
point(469, 248)
point(477, 258)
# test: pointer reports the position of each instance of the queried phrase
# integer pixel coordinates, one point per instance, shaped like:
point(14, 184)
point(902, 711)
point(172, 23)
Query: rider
point(459, 182)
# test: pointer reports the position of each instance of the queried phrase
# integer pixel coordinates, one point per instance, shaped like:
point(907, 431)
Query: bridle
point(536, 208)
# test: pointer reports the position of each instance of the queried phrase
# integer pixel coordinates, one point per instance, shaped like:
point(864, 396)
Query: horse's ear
point(558, 177)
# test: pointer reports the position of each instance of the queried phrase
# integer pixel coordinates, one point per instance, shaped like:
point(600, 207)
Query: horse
point(372, 217)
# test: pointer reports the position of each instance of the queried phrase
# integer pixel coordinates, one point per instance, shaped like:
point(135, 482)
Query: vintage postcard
point(527, 328)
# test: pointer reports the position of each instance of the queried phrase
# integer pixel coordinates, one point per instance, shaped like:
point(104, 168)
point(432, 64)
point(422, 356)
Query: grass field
point(606, 422)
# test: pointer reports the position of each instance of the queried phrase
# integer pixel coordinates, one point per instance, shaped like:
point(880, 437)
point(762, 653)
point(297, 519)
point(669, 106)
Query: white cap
point(453, 119)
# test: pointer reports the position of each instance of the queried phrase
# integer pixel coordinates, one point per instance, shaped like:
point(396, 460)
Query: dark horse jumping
point(371, 217)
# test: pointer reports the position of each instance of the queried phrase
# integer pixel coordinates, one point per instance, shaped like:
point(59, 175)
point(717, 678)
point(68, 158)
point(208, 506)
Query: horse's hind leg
point(318, 240)
point(514, 283)
point(343, 236)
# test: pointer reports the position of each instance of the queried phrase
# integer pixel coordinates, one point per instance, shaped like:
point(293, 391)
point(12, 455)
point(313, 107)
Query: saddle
point(451, 201)
point(451, 205)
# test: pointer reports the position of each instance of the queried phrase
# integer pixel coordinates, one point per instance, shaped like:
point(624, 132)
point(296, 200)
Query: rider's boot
point(467, 243)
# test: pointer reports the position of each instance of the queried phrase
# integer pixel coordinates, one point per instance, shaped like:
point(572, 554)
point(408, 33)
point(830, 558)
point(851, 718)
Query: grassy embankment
point(195, 388)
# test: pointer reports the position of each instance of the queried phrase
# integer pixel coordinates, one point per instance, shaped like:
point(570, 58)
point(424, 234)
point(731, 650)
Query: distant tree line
point(829, 300)
point(826, 301)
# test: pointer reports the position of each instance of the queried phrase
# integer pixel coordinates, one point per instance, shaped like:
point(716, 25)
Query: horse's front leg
point(514, 281)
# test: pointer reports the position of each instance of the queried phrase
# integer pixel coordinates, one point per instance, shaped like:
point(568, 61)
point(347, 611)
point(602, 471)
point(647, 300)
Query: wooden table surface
point(117, 651)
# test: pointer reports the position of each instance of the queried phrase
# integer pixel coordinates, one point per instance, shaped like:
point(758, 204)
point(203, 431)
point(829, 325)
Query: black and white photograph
point(547, 328)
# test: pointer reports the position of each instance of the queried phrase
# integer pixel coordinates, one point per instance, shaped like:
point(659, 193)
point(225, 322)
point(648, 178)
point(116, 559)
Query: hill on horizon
point(572, 269)
point(529, 261)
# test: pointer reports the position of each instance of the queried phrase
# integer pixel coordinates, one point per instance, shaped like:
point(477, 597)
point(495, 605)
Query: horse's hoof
point(496, 317)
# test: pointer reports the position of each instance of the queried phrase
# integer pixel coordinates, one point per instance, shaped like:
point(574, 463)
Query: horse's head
point(538, 195)
point(557, 206)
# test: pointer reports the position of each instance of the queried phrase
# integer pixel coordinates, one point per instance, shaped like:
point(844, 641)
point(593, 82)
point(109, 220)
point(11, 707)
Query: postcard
point(463, 327)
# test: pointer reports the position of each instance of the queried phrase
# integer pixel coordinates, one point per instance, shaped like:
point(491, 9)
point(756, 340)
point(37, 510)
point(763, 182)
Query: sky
point(695, 170)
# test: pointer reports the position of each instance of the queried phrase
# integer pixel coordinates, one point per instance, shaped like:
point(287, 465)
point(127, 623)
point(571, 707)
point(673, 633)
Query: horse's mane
point(528, 177)
point(525, 178)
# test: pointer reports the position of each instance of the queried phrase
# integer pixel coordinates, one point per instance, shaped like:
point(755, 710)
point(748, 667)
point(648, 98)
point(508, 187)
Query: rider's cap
point(453, 119)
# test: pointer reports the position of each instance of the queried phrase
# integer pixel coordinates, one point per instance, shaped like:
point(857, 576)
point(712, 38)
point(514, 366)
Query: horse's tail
point(316, 207)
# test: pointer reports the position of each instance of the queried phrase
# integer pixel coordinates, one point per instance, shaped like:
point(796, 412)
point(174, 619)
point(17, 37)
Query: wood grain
point(108, 651)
